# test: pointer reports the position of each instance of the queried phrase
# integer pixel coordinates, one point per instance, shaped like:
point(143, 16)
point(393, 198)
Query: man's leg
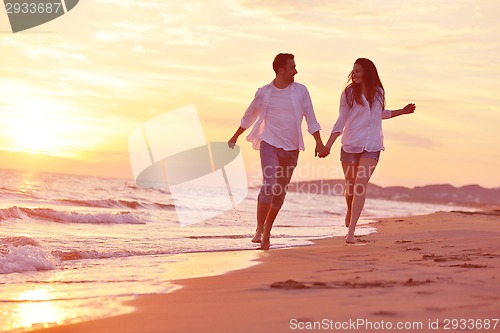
point(269, 161)
point(263, 210)
point(266, 235)
point(288, 162)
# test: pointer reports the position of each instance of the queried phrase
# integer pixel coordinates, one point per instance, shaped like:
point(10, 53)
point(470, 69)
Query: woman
point(362, 108)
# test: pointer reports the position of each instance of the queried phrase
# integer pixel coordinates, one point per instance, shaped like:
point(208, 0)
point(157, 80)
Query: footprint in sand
point(385, 313)
point(469, 266)
point(297, 285)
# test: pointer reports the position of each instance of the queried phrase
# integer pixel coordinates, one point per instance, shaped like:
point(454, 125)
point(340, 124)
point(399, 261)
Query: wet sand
point(416, 274)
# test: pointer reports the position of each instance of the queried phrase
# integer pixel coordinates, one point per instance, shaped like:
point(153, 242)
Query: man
point(280, 107)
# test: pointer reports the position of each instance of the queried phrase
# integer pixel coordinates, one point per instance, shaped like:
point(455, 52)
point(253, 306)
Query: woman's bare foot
point(349, 239)
point(258, 237)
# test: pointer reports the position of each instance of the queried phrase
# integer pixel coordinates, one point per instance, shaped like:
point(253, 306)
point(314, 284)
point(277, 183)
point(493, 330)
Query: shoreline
point(423, 268)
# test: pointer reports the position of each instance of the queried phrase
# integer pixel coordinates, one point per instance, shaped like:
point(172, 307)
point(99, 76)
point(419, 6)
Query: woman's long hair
point(372, 83)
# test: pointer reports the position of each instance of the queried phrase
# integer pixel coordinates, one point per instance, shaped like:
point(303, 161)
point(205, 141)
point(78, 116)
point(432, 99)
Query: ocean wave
point(247, 236)
point(49, 214)
point(24, 254)
point(148, 189)
point(219, 237)
point(10, 213)
point(112, 203)
point(68, 255)
point(8, 193)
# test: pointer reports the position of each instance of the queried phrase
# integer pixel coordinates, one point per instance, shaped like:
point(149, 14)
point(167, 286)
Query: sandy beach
point(432, 273)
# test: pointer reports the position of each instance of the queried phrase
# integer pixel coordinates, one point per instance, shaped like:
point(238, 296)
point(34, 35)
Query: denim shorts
point(354, 158)
point(277, 170)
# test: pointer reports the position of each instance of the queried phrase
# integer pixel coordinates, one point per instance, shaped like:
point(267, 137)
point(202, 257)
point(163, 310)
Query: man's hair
point(280, 61)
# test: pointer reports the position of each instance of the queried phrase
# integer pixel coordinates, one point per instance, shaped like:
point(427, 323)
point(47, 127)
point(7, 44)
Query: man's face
point(290, 70)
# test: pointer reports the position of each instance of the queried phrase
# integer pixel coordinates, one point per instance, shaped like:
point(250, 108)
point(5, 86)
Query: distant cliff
point(443, 193)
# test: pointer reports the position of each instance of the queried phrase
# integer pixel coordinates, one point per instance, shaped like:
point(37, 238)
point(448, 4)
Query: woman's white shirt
point(361, 125)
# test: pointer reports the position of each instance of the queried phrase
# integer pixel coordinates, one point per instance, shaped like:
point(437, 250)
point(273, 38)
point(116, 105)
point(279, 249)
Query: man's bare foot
point(348, 218)
point(258, 237)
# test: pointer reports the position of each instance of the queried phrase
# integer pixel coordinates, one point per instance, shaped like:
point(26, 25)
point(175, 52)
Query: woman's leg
point(350, 170)
point(364, 171)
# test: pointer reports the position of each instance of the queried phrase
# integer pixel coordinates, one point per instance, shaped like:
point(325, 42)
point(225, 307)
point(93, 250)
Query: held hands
point(321, 151)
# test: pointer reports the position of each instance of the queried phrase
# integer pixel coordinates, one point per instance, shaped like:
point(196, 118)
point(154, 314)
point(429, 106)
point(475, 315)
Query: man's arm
point(232, 142)
point(329, 144)
point(320, 148)
point(251, 114)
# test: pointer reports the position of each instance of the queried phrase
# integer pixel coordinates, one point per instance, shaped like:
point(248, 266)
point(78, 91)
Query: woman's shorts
point(354, 158)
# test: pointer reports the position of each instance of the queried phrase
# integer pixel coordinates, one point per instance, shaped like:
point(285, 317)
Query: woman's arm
point(338, 128)
point(328, 146)
point(410, 108)
point(332, 139)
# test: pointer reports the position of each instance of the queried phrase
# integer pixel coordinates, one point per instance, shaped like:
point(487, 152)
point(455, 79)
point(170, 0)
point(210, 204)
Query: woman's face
point(357, 74)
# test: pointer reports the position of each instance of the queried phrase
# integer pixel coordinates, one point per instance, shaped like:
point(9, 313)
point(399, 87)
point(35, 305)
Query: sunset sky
point(72, 90)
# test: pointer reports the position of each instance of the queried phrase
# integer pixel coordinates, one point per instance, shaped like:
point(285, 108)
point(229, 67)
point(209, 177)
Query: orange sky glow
point(72, 90)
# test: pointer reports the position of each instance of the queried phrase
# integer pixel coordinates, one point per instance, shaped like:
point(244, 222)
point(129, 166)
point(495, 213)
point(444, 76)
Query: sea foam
point(24, 254)
point(49, 214)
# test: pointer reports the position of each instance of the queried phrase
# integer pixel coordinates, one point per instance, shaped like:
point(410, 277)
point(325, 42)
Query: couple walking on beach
point(278, 110)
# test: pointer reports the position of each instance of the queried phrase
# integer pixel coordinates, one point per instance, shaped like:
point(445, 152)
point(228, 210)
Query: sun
point(39, 127)
point(37, 135)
